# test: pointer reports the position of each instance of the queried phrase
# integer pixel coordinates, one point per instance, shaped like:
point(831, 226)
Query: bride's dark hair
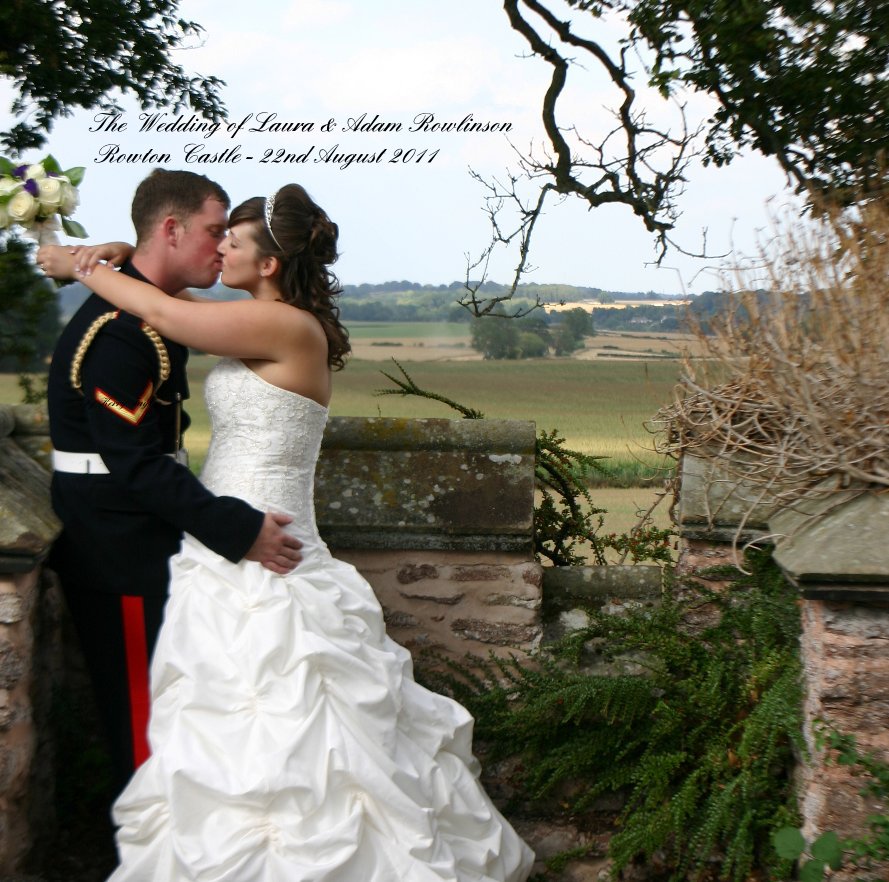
point(291, 227)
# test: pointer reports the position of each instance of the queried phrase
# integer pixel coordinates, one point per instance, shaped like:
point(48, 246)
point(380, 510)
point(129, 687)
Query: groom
point(114, 397)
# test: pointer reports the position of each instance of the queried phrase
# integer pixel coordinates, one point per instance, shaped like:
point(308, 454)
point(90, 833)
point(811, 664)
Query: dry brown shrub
point(793, 387)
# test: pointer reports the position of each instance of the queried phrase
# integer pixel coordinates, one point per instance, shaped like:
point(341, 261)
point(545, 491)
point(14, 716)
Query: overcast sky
point(312, 61)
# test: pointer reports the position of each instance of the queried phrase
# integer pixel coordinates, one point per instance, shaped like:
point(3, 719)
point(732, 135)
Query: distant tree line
point(32, 313)
point(406, 301)
point(563, 332)
point(421, 307)
point(551, 291)
point(669, 317)
point(645, 317)
point(533, 336)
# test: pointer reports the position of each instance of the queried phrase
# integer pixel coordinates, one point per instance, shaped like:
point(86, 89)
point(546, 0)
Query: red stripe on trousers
point(136, 647)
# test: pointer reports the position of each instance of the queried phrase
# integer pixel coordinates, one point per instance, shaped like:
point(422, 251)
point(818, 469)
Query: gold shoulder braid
point(163, 356)
point(85, 343)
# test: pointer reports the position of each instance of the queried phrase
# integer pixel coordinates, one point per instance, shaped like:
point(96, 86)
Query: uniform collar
point(128, 269)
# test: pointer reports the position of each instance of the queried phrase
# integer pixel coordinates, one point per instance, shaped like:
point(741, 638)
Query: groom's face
point(199, 254)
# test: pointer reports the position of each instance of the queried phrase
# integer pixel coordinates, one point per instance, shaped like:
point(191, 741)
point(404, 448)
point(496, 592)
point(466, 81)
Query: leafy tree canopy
point(529, 336)
point(62, 54)
point(804, 81)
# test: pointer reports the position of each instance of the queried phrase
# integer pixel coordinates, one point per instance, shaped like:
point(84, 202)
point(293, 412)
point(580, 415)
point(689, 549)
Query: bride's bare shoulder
point(303, 324)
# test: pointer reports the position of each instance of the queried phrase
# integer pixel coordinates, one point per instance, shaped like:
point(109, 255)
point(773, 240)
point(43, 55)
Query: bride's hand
point(112, 253)
point(57, 261)
point(76, 261)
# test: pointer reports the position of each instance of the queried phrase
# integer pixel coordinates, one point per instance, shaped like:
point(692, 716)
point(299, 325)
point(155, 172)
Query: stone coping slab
point(27, 523)
point(402, 433)
point(383, 483)
point(442, 484)
point(712, 499)
point(839, 538)
point(7, 420)
point(596, 586)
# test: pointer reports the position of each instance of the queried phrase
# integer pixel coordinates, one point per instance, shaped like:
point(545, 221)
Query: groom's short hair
point(179, 194)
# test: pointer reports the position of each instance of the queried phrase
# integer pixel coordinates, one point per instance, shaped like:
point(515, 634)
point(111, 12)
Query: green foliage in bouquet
point(40, 197)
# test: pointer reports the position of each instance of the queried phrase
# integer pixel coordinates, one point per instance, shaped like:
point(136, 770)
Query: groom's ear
point(170, 229)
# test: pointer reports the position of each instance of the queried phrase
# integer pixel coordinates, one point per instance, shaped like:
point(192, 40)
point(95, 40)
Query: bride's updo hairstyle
point(292, 228)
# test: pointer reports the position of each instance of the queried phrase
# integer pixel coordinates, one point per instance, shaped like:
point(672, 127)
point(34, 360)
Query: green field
point(600, 407)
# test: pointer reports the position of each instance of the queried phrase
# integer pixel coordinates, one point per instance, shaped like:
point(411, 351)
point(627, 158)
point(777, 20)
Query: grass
point(9, 389)
point(599, 407)
point(623, 506)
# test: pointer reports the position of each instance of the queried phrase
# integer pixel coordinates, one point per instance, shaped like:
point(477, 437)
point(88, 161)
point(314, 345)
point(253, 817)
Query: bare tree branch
point(805, 83)
point(635, 164)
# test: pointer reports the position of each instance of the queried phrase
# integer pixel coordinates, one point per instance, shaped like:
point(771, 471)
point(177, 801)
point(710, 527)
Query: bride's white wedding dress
point(289, 740)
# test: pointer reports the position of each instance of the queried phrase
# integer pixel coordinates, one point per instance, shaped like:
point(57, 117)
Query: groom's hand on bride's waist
point(274, 549)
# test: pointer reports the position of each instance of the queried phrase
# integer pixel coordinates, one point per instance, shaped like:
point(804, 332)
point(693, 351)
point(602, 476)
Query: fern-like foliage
point(565, 519)
point(700, 745)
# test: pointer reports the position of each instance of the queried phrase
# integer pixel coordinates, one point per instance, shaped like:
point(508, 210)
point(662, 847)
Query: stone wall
point(835, 550)
point(30, 643)
point(716, 517)
point(436, 514)
point(451, 603)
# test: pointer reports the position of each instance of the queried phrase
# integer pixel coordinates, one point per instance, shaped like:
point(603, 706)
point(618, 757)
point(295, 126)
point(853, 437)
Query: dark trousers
point(117, 636)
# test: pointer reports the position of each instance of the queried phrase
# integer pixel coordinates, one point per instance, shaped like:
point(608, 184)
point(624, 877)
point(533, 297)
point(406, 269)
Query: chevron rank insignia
point(131, 415)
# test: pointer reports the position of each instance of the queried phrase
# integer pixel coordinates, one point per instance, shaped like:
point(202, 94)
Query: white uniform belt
point(91, 463)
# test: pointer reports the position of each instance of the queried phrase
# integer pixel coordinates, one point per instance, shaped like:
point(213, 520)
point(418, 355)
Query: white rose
point(35, 171)
point(9, 185)
point(4, 217)
point(22, 208)
point(49, 192)
point(70, 198)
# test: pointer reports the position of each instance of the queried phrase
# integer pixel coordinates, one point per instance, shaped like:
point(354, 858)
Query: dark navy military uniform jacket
point(121, 528)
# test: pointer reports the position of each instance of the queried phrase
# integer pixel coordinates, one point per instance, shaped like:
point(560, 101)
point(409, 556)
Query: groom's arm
point(119, 376)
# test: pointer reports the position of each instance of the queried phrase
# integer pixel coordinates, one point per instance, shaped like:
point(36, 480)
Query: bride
point(289, 740)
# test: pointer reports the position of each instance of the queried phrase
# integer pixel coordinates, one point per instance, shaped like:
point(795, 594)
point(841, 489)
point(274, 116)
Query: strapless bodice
point(265, 441)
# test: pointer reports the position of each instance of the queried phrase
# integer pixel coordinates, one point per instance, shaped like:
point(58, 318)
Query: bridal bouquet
point(40, 198)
